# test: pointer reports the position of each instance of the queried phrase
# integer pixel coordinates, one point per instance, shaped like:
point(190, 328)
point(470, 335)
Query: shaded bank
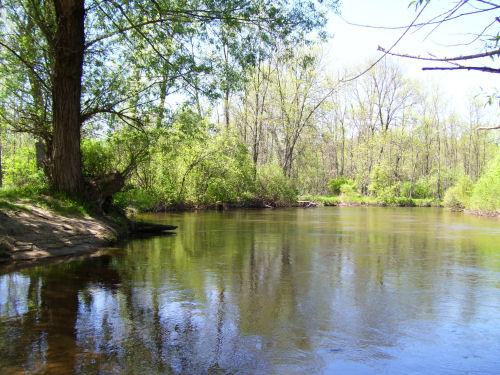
point(29, 233)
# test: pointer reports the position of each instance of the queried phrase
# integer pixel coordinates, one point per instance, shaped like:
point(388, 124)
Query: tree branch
point(460, 67)
point(26, 64)
point(443, 59)
point(422, 23)
point(488, 128)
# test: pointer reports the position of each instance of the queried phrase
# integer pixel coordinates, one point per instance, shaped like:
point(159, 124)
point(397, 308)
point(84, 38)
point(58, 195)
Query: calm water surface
point(344, 290)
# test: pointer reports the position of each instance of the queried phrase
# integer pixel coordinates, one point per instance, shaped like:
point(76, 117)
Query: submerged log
point(138, 227)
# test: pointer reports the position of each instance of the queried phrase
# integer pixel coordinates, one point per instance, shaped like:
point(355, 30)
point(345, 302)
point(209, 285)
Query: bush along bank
point(481, 197)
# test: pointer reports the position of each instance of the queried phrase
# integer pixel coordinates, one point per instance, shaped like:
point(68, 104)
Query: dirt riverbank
point(30, 233)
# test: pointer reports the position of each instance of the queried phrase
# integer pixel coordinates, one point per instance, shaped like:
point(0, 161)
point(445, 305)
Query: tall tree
point(300, 90)
point(69, 45)
point(99, 37)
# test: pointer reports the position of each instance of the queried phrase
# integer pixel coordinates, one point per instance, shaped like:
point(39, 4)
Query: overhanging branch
point(488, 128)
point(443, 59)
point(460, 67)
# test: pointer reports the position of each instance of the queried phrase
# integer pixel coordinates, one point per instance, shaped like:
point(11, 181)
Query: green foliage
point(424, 187)
point(349, 193)
point(223, 176)
point(324, 200)
point(486, 191)
point(334, 184)
point(457, 197)
point(383, 186)
point(388, 195)
point(19, 168)
point(98, 158)
point(137, 198)
point(273, 186)
point(380, 180)
point(420, 189)
point(191, 164)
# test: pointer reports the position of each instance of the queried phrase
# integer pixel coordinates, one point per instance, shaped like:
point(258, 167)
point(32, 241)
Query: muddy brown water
point(336, 290)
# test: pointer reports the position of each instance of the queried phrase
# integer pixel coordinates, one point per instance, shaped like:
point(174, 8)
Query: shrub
point(457, 197)
point(334, 184)
point(20, 169)
point(97, 158)
point(486, 191)
point(349, 193)
point(405, 201)
point(272, 185)
point(388, 194)
point(420, 189)
point(380, 181)
point(424, 187)
point(138, 198)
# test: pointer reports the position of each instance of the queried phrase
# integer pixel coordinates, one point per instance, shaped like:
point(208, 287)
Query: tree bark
point(40, 153)
point(67, 170)
point(1, 171)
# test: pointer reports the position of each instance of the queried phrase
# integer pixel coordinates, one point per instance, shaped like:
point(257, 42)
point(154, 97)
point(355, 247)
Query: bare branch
point(443, 59)
point(448, 16)
point(422, 23)
point(488, 128)
point(487, 3)
point(460, 67)
point(186, 16)
point(387, 52)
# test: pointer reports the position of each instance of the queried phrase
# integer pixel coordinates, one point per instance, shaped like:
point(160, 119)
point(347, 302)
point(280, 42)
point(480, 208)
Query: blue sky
point(354, 46)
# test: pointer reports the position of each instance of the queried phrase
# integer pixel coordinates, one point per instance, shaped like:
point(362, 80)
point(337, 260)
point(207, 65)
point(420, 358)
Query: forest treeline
point(294, 130)
point(170, 104)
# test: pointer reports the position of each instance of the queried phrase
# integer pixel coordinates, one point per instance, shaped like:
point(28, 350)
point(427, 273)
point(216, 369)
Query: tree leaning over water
point(84, 48)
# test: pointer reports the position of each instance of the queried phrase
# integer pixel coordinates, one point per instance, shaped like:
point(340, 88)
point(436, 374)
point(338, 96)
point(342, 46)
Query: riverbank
point(34, 231)
point(305, 201)
point(221, 206)
point(38, 227)
point(31, 233)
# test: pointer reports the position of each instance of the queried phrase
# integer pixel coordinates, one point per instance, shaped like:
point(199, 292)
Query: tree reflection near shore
point(289, 291)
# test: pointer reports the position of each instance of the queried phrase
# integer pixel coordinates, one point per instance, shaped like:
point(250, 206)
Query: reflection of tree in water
point(18, 341)
point(256, 296)
point(44, 338)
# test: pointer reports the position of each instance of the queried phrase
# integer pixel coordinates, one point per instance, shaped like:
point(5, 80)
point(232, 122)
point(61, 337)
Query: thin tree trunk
point(40, 153)
point(67, 170)
point(342, 159)
point(226, 108)
point(161, 109)
point(1, 170)
point(439, 161)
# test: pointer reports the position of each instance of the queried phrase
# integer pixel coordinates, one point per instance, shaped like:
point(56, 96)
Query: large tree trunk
point(69, 41)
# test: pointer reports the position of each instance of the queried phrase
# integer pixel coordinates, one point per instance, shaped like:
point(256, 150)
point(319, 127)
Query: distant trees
point(382, 130)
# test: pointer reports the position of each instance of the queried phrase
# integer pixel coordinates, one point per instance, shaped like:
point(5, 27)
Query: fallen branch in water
point(307, 204)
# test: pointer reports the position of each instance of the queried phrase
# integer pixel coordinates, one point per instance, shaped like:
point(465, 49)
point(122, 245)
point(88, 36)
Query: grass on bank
point(333, 200)
point(41, 196)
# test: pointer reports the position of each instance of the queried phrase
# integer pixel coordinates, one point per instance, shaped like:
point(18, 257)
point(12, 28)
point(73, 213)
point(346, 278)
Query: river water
point(335, 290)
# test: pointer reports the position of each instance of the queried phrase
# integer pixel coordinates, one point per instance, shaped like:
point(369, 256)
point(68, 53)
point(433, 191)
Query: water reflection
point(334, 290)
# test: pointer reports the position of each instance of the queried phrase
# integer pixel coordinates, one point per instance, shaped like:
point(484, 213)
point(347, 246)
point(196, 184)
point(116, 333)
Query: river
point(334, 290)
